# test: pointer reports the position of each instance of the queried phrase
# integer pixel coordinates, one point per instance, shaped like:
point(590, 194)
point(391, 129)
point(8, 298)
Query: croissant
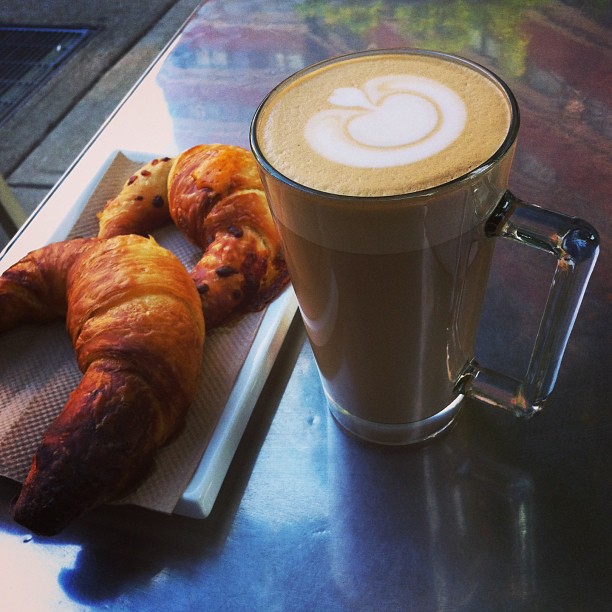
point(136, 324)
point(215, 197)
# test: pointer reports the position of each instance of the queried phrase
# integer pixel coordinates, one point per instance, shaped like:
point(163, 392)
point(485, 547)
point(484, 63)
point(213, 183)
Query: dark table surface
point(499, 514)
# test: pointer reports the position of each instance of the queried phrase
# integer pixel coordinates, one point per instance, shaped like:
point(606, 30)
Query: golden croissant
point(214, 195)
point(135, 321)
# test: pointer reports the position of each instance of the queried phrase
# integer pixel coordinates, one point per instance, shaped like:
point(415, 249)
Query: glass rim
point(482, 168)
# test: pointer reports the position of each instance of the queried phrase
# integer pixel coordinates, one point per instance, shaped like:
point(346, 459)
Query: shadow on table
point(464, 523)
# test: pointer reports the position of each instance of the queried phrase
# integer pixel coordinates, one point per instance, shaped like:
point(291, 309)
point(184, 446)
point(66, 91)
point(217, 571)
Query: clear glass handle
point(575, 245)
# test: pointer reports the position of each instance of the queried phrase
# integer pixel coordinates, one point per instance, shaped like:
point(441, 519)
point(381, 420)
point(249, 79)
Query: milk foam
point(391, 120)
point(383, 124)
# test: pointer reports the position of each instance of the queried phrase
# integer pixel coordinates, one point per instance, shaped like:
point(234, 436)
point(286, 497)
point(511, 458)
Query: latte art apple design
point(391, 120)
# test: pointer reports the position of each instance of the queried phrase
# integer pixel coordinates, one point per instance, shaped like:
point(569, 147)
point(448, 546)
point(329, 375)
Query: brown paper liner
point(38, 371)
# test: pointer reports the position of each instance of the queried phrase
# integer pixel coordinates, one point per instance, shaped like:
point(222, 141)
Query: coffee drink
point(387, 252)
point(383, 124)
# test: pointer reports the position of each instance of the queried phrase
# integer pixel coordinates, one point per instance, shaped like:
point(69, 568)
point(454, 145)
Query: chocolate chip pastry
point(213, 194)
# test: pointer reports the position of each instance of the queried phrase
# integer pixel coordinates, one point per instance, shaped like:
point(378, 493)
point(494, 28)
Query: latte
point(383, 124)
point(390, 288)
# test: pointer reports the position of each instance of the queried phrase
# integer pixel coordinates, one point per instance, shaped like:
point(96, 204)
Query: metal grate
point(28, 57)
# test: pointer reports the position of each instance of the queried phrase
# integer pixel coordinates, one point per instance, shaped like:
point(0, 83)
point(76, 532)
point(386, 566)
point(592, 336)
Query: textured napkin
point(38, 371)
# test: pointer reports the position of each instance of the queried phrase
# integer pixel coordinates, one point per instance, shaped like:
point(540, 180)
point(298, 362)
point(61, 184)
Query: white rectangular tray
point(200, 494)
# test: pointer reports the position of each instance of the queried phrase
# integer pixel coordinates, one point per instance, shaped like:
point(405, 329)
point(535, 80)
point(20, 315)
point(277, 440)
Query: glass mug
point(390, 287)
